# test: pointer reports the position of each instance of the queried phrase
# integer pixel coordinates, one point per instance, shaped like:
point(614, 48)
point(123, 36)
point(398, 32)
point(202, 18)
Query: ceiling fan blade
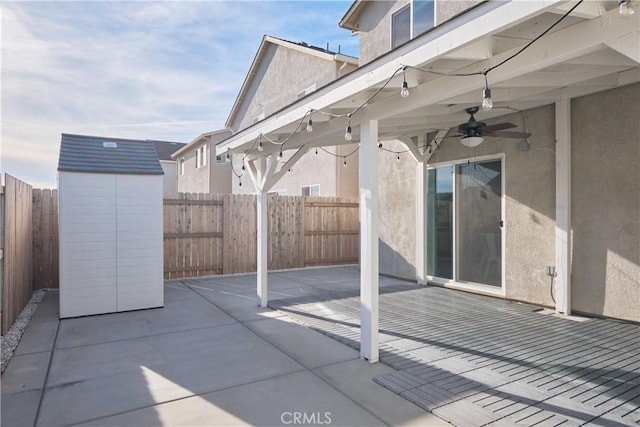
point(498, 126)
point(503, 134)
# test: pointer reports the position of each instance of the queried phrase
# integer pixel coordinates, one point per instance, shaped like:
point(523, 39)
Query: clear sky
point(141, 70)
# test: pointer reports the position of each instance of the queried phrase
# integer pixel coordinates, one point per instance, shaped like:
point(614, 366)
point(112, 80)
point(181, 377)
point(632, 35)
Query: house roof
point(350, 19)
point(95, 154)
point(215, 136)
point(166, 148)
point(301, 47)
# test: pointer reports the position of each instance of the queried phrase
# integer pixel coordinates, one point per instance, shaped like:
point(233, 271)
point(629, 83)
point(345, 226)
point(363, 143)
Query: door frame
point(454, 283)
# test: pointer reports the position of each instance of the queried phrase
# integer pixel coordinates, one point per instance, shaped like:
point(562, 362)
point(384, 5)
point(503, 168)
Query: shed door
point(87, 233)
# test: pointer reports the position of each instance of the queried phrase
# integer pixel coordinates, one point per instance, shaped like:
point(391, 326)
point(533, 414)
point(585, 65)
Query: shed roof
point(95, 154)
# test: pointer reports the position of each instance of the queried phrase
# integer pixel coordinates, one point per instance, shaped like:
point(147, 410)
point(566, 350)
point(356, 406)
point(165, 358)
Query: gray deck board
point(476, 360)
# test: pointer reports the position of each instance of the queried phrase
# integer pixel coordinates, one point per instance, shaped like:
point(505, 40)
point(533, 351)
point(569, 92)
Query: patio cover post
point(262, 236)
point(369, 240)
point(563, 206)
point(421, 223)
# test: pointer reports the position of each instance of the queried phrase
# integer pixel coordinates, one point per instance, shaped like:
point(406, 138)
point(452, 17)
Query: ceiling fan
point(473, 131)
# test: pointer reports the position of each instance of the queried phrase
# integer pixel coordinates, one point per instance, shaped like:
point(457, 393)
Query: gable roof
point(350, 19)
point(215, 137)
point(94, 154)
point(166, 148)
point(300, 47)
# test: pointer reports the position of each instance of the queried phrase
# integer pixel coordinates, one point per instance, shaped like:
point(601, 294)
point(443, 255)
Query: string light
point(227, 158)
point(316, 151)
point(398, 158)
point(347, 133)
point(260, 147)
point(239, 182)
point(280, 154)
point(310, 125)
point(487, 102)
point(404, 92)
point(345, 162)
point(379, 144)
point(626, 8)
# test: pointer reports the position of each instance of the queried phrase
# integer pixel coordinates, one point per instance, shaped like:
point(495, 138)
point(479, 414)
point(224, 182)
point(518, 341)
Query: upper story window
point(220, 159)
point(182, 166)
point(411, 21)
point(201, 156)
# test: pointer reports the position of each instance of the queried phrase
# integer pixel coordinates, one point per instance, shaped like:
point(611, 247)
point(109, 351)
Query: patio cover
point(591, 50)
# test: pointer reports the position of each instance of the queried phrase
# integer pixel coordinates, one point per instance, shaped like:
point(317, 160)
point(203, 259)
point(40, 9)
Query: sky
point(141, 70)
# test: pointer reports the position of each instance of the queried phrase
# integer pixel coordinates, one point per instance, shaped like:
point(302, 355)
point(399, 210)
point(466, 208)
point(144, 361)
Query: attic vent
point(109, 145)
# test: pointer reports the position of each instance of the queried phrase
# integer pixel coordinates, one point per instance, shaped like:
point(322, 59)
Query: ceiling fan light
point(626, 8)
point(471, 141)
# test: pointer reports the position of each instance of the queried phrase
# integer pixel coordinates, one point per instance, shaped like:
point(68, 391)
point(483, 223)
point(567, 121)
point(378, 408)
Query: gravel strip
point(10, 341)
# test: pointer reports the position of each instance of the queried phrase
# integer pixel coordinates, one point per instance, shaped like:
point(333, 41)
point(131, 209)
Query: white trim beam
point(563, 206)
point(369, 241)
point(628, 45)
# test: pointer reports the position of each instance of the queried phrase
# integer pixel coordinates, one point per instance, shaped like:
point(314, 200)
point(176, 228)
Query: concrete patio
point(211, 357)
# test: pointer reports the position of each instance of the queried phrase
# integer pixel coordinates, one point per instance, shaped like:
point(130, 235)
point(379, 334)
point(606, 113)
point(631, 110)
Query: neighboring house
point(165, 149)
point(281, 73)
point(199, 170)
point(550, 219)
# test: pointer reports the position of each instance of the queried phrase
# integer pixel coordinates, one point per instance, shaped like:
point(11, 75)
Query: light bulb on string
point(243, 168)
point(345, 162)
point(316, 151)
point(260, 146)
point(487, 102)
point(239, 182)
point(310, 126)
point(227, 157)
point(280, 154)
point(379, 144)
point(347, 134)
point(398, 158)
point(626, 8)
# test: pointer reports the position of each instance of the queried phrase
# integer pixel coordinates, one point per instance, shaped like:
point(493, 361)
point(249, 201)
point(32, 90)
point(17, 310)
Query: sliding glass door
point(464, 222)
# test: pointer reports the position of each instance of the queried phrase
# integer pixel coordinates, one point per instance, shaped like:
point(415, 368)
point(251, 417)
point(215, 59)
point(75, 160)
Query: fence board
point(17, 250)
point(45, 239)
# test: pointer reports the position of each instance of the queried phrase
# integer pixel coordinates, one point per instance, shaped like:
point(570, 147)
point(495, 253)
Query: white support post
point(262, 237)
point(369, 240)
point(563, 206)
point(421, 223)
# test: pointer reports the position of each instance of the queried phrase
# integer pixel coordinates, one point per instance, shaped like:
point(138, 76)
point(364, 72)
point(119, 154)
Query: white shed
point(110, 225)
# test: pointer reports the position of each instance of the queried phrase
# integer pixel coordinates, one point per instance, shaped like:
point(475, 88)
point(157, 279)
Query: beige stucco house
point(281, 73)
point(199, 170)
point(536, 199)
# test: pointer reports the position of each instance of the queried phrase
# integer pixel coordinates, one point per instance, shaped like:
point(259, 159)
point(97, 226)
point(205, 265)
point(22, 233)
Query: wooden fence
point(17, 249)
point(45, 239)
point(204, 234)
point(213, 234)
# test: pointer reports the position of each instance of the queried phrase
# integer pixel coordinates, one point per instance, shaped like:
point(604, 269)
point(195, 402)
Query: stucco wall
point(194, 180)
point(170, 178)
point(282, 74)
point(375, 23)
point(529, 201)
point(605, 203)
point(397, 212)
point(348, 181)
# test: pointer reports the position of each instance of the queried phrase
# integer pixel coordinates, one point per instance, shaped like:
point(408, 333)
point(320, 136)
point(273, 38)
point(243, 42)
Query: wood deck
point(476, 360)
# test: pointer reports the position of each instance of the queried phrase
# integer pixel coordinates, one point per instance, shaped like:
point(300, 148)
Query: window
point(401, 26)
point(311, 190)
point(220, 159)
point(411, 21)
point(182, 166)
point(278, 192)
point(201, 156)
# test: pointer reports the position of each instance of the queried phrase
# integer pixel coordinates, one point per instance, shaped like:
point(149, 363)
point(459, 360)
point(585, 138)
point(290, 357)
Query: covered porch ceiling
point(591, 50)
